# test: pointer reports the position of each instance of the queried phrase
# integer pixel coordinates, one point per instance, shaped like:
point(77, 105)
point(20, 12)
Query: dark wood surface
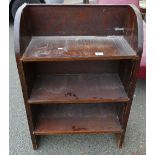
point(41, 33)
point(78, 48)
point(75, 20)
point(89, 20)
point(82, 88)
point(75, 67)
point(89, 118)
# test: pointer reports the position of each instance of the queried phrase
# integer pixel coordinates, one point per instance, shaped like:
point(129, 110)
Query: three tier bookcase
point(78, 67)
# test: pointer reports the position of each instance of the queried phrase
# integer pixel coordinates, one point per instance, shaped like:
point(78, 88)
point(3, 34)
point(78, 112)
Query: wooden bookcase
point(78, 67)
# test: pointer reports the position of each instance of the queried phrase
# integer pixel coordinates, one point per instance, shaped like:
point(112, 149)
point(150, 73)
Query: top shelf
point(68, 48)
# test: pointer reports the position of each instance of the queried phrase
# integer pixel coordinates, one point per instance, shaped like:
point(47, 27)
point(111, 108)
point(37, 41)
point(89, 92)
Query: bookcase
point(78, 67)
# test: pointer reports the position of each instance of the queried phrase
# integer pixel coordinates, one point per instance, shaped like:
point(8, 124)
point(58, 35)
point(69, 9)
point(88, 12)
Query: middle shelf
point(77, 88)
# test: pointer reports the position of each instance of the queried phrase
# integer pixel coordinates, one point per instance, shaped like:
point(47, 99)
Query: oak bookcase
point(78, 67)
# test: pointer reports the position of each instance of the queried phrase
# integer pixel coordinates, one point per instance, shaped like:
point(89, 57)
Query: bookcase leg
point(34, 138)
point(34, 141)
point(120, 139)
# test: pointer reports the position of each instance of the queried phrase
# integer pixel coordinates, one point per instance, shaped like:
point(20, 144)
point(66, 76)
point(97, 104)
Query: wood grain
point(77, 88)
point(87, 118)
point(78, 48)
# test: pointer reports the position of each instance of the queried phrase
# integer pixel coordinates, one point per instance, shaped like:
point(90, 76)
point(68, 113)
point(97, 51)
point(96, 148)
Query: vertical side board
point(27, 106)
point(136, 41)
point(21, 40)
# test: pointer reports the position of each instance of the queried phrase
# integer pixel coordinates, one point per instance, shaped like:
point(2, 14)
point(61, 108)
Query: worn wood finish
point(55, 47)
point(78, 48)
point(78, 88)
point(88, 118)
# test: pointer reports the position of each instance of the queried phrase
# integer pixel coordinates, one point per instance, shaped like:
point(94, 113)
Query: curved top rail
point(17, 28)
point(139, 28)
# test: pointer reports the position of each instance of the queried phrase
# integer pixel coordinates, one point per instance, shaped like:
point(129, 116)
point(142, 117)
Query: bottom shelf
point(78, 118)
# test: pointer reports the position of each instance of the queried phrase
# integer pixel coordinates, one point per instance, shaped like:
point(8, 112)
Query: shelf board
point(69, 48)
point(77, 88)
point(87, 118)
